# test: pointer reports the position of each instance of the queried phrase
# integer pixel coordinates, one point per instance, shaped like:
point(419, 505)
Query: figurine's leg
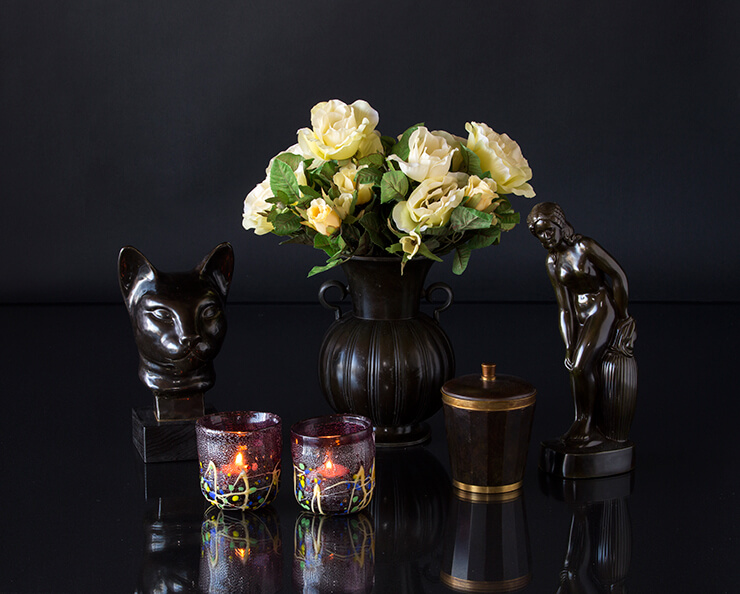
point(592, 340)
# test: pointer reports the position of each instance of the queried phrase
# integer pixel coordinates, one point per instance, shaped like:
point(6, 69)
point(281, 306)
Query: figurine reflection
point(179, 326)
point(592, 293)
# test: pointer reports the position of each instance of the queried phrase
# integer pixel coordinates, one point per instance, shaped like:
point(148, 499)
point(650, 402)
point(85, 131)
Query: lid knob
point(488, 372)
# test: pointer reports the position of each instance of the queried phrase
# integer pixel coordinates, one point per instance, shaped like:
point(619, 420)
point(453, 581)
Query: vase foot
point(403, 436)
point(591, 461)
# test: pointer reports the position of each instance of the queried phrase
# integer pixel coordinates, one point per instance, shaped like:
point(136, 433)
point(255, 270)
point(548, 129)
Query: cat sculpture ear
point(133, 267)
point(219, 267)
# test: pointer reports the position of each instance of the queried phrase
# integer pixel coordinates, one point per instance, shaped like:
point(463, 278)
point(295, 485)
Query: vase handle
point(324, 288)
point(428, 295)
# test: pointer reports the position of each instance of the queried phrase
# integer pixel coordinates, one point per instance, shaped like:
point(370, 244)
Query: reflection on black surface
point(171, 525)
point(334, 553)
point(486, 543)
point(171, 546)
point(241, 551)
point(409, 507)
point(600, 541)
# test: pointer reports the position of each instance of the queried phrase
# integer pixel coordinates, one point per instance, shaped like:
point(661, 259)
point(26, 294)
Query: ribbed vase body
point(385, 359)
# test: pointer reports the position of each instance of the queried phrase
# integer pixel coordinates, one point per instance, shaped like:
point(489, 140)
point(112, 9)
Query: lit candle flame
point(239, 459)
point(241, 553)
point(329, 465)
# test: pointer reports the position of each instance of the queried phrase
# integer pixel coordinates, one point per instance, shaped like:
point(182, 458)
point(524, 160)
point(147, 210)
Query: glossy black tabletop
point(84, 514)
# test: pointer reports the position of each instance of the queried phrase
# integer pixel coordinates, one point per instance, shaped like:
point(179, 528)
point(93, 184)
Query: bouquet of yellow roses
point(349, 191)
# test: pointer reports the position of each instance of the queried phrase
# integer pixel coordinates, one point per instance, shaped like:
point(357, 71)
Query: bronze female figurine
point(592, 293)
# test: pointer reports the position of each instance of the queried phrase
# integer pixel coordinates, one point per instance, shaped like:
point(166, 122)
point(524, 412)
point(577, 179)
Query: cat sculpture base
point(164, 441)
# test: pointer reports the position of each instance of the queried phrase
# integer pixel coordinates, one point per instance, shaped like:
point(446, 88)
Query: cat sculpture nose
point(188, 341)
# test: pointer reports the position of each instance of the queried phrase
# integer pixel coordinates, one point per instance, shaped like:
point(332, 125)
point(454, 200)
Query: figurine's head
point(547, 222)
point(178, 319)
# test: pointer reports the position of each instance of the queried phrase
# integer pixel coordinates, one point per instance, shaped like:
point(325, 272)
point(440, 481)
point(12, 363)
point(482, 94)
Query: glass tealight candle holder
point(239, 454)
point(333, 463)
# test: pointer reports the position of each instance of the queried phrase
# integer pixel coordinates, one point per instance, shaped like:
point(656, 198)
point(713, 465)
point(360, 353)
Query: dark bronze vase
point(385, 359)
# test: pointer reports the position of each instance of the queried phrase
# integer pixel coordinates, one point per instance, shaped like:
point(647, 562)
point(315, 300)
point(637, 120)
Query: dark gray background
point(146, 123)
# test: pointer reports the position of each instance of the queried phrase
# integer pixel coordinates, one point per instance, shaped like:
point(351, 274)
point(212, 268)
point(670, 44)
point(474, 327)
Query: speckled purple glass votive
point(239, 455)
point(333, 463)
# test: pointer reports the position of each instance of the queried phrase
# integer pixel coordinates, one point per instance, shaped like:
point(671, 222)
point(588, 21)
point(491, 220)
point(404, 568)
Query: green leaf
point(320, 269)
point(364, 245)
point(466, 219)
point(427, 253)
point(293, 160)
point(509, 220)
point(388, 143)
point(283, 181)
point(471, 162)
point(393, 186)
point(504, 205)
point(327, 169)
point(401, 148)
point(482, 240)
point(285, 223)
point(460, 261)
point(394, 249)
point(368, 175)
point(328, 244)
point(374, 160)
point(437, 231)
point(370, 221)
point(350, 233)
point(309, 193)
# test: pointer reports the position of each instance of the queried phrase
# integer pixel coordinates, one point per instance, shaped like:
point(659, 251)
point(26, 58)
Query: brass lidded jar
point(489, 420)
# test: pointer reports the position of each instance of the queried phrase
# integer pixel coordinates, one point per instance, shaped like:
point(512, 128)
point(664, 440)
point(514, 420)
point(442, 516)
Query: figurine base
point(186, 408)
point(573, 462)
point(166, 441)
point(402, 437)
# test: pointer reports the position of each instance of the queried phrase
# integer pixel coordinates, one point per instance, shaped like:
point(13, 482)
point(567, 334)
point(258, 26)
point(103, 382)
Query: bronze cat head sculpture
point(179, 326)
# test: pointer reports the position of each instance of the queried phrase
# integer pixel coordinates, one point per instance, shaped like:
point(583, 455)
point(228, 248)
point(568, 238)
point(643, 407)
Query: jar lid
point(488, 391)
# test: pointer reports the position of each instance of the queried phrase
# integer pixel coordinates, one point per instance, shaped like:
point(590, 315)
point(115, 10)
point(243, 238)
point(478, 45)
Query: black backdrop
point(146, 123)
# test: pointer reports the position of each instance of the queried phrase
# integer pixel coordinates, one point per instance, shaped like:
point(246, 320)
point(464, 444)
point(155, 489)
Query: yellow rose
point(371, 144)
point(322, 217)
point(455, 143)
point(430, 204)
point(338, 129)
point(345, 181)
point(411, 243)
point(481, 192)
point(430, 156)
point(254, 205)
point(500, 155)
point(343, 204)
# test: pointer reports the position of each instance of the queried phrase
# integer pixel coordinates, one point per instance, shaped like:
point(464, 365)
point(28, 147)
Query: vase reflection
point(486, 543)
point(600, 540)
point(334, 553)
point(409, 508)
point(241, 551)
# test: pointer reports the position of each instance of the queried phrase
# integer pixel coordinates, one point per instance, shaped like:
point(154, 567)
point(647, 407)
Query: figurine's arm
point(609, 266)
point(562, 295)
